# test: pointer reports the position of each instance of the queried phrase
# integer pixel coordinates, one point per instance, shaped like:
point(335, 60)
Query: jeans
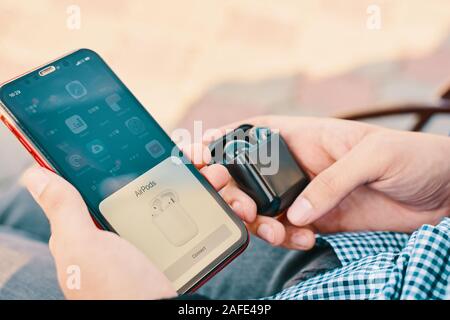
point(27, 270)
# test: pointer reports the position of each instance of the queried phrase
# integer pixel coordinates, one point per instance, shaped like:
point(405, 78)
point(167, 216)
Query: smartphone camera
point(260, 162)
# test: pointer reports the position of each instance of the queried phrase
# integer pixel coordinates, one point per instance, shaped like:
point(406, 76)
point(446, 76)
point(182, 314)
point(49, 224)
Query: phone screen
point(97, 135)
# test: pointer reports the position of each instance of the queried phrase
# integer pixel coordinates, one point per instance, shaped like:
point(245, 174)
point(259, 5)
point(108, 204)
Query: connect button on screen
point(174, 271)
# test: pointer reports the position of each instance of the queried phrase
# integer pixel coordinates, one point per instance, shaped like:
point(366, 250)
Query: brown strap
point(446, 94)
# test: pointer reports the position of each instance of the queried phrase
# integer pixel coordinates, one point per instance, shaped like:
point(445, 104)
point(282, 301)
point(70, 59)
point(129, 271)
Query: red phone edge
point(44, 163)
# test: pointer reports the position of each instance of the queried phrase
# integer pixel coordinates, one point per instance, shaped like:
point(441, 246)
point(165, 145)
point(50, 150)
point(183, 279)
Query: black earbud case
point(272, 190)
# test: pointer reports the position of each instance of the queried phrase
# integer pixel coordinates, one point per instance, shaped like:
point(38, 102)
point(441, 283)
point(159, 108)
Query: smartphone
point(78, 119)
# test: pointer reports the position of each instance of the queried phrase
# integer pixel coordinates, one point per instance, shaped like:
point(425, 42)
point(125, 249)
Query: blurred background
point(224, 60)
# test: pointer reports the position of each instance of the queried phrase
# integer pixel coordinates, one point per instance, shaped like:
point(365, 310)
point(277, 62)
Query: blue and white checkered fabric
point(383, 265)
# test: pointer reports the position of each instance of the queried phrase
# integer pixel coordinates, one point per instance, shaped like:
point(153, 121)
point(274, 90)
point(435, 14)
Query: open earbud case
point(260, 162)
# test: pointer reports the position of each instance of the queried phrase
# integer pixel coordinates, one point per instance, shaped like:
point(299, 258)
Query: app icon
point(76, 89)
point(31, 109)
point(75, 161)
point(96, 147)
point(154, 148)
point(93, 109)
point(135, 125)
point(76, 124)
point(51, 132)
point(113, 102)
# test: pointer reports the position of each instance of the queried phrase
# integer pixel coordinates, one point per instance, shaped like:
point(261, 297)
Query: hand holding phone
point(79, 120)
point(91, 263)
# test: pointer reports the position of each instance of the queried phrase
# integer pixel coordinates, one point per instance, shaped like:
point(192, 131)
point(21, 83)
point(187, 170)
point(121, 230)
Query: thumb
point(332, 185)
point(61, 202)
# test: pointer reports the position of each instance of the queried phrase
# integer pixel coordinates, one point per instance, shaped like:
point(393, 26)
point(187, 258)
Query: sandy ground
point(184, 58)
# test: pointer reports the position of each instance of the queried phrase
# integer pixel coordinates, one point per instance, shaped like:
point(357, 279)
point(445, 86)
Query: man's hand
point(109, 266)
point(363, 178)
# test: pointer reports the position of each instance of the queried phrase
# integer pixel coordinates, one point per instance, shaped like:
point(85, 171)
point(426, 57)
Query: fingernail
point(266, 232)
point(35, 179)
point(300, 240)
point(299, 211)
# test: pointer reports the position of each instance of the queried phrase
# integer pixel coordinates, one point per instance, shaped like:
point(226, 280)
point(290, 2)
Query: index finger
point(199, 154)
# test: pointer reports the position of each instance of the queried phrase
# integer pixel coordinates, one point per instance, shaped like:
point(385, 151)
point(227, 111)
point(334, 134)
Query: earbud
point(259, 134)
point(156, 206)
point(169, 199)
point(163, 201)
point(235, 147)
point(254, 136)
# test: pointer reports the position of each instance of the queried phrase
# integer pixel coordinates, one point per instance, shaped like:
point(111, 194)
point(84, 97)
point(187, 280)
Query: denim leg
point(27, 269)
point(19, 211)
point(263, 270)
point(258, 272)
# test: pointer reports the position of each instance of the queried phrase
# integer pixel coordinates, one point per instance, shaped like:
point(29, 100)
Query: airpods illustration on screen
point(171, 219)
